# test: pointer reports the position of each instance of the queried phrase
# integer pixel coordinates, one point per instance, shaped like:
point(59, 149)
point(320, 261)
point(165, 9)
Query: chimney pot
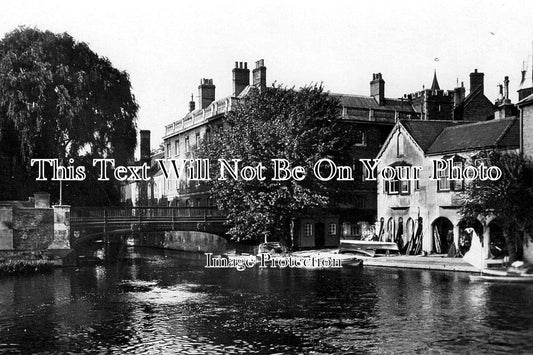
point(206, 92)
point(377, 88)
point(476, 81)
point(259, 74)
point(241, 78)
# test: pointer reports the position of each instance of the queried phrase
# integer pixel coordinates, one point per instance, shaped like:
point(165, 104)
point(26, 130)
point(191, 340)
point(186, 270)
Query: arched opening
point(398, 239)
point(408, 234)
point(442, 235)
point(465, 239)
point(498, 245)
point(414, 247)
point(381, 232)
point(389, 233)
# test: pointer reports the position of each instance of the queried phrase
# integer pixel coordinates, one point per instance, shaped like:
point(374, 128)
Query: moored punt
point(349, 263)
point(493, 278)
point(367, 248)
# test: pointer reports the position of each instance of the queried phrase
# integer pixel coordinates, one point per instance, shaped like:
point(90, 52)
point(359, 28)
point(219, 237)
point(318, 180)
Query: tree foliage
point(59, 99)
point(301, 126)
point(510, 198)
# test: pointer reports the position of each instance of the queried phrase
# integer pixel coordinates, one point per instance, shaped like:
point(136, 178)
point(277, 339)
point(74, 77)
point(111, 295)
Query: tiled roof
point(480, 135)
point(360, 101)
point(425, 132)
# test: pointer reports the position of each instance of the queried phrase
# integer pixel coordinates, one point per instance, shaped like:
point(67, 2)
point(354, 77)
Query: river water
point(155, 301)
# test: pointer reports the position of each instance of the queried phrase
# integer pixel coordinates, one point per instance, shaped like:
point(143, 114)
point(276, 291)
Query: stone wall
point(33, 228)
point(6, 228)
point(32, 225)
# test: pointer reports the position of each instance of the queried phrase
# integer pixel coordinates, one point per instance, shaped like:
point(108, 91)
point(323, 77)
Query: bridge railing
point(79, 214)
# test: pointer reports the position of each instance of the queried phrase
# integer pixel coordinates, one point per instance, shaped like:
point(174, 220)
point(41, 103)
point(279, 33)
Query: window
point(350, 229)
point(187, 203)
point(360, 138)
point(359, 171)
point(400, 145)
point(198, 202)
point(168, 150)
point(177, 147)
point(443, 184)
point(405, 187)
point(187, 146)
point(393, 187)
point(332, 229)
point(417, 185)
point(457, 185)
point(197, 141)
point(360, 202)
point(308, 229)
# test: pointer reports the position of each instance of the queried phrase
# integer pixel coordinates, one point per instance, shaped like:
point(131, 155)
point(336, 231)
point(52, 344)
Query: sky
point(167, 47)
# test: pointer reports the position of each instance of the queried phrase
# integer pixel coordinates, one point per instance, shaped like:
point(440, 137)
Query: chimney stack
point(145, 146)
point(377, 88)
point(476, 81)
point(206, 92)
point(241, 77)
point(192, 105)
point(458, 95)
point(506, 89)
point(259, 74)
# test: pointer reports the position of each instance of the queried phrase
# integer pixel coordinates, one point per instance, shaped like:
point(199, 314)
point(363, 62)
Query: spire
point(435, 84)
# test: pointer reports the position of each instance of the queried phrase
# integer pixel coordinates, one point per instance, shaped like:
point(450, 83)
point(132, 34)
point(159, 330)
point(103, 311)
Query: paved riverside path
point(433, 262)
point(421, 262)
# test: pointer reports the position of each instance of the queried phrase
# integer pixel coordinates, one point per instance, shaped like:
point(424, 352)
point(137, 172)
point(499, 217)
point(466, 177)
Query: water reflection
point(153, 301)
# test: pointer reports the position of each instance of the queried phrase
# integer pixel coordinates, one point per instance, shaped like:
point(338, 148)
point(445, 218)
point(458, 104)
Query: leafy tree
point(301, 126)
point(510, 198)
point(59, 99)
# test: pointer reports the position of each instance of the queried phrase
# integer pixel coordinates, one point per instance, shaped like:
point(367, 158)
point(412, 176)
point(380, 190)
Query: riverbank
point(23, 266)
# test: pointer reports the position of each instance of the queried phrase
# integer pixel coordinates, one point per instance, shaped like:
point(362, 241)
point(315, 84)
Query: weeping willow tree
point(59, 99)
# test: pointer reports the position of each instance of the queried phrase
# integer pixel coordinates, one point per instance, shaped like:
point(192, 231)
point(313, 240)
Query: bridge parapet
point(102, 220)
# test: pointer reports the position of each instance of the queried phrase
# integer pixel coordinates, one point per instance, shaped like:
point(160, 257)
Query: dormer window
point(360, 138)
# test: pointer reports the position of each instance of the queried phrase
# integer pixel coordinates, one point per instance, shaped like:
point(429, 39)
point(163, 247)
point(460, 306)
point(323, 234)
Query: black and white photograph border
point(266, 177)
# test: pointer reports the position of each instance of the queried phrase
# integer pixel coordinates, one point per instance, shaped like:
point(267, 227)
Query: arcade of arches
point(444, 235)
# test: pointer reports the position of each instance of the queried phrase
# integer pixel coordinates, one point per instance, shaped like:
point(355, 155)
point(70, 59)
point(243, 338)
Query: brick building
point(437, 104)
point(374, 116)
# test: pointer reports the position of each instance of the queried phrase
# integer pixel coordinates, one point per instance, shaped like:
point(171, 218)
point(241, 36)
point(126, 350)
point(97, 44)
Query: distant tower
point(434, 103)
point(435, 83)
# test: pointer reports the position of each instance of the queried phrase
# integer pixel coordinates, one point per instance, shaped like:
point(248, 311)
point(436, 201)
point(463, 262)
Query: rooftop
point(501, 133)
